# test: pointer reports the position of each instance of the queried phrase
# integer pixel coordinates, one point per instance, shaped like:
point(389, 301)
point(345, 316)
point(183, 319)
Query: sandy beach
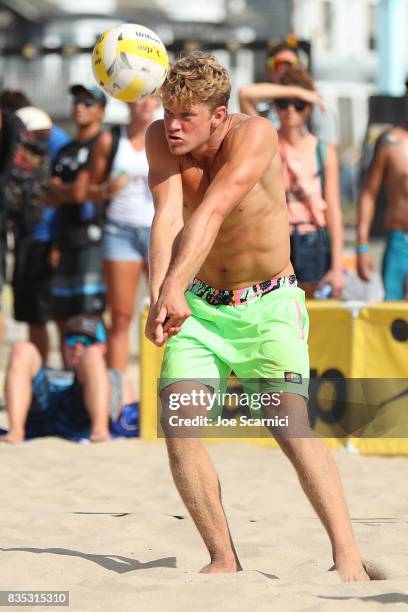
point(105, 523)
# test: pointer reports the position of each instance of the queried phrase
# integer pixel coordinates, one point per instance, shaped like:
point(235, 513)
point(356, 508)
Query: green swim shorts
point(259, 334)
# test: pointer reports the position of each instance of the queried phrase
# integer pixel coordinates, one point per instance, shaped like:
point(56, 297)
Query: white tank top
point(133, 205)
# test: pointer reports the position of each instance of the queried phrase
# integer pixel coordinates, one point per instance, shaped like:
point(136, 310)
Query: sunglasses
point(88, 102)
point(75, 339)
point(284, 104)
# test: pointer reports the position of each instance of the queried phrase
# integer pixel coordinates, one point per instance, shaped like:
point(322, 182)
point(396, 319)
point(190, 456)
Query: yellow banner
point(380, 353)
point(371, 344)
point(330, 350)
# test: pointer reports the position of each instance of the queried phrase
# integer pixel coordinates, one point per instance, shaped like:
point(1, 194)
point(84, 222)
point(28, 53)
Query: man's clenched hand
point(168, 314)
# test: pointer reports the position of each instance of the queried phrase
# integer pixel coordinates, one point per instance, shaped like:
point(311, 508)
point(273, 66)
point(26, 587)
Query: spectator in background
point(13, 100)
point(311, 180)
point(44, 236)
point(119, 174)
point(75, 404)
point(34, 223)
point(32, 269)
point(77, 285)
point(8, 136)
point(389, 166)
point(280, 57)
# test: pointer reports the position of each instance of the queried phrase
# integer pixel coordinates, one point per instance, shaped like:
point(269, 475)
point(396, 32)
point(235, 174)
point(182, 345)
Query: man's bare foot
point(351, 570)
point(99, 436)
point(12, 437)
point(223, 566)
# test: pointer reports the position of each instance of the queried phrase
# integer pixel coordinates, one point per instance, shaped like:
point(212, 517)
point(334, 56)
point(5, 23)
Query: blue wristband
point(361, 248)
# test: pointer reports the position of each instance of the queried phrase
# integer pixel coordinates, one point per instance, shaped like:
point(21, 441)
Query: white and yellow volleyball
point(129, 62)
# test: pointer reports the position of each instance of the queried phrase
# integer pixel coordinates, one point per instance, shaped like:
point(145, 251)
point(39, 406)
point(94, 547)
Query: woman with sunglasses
point(311, 179)
point(281, 56)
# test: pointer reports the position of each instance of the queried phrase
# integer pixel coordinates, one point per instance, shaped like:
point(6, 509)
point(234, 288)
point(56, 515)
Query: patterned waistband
point(238, 297)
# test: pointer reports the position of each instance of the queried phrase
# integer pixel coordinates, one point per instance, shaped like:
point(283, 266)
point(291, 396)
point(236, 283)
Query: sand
point(105, 523)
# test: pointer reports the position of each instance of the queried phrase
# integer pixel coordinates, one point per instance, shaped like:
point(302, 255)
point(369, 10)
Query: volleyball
point(129, 61)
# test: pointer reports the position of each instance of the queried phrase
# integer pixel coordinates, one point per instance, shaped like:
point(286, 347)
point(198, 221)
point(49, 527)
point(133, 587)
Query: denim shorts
point(123, 242)
point(310, 255)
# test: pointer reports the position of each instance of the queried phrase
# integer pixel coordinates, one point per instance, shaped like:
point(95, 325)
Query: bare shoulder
point(161, 160)
point(104, 142)
point(255, 125)
point(155, 133)
point(399, 134)
point(251, 131)
point(391, 137)
point(156, 144)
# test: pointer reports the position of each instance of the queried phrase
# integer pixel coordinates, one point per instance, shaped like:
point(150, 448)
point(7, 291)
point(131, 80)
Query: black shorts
point(78, 286)
point(32, 282)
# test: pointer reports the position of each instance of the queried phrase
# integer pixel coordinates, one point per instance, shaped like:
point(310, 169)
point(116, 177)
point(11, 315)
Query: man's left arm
point(248, 153)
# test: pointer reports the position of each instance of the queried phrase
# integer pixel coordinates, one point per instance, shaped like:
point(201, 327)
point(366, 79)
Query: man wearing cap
point(77, 285)
point(286, 52)
point(73, 404)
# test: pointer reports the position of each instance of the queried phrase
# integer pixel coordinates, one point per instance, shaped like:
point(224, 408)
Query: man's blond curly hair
point(196, 78)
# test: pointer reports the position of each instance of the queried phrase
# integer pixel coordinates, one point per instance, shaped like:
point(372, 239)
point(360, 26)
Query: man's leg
point(197, 482)
point(24, 364)
point(320, 480)
point(93, 376)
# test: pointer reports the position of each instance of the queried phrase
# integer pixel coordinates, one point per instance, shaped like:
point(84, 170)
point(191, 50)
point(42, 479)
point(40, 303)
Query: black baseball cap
point(92, 91)
point(86, 326)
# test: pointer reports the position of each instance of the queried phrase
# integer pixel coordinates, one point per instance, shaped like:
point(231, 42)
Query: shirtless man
point(220, 214)
point(390, 165)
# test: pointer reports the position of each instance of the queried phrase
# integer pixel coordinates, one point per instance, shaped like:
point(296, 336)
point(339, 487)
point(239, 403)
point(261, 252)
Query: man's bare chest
point(398, 162)
point(196, 180)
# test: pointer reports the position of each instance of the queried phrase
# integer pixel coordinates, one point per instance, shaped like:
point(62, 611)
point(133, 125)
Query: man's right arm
point(366, 210)
point(167, 191)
